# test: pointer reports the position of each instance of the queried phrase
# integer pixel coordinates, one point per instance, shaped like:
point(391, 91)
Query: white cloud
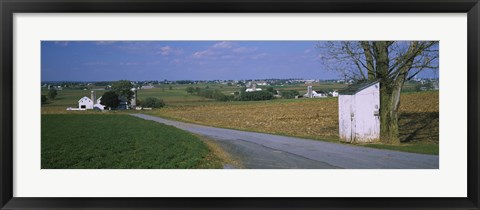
point(135, 47)
point(204, 53)
point(61, 43)
point(223, 45)
point(244, 49)
point(223, 50)
point(167, 50)
point(104, 42)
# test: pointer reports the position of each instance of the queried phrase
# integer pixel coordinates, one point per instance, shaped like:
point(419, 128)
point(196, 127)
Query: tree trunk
point(390, 99)
point(389, 103)
point(389, 95)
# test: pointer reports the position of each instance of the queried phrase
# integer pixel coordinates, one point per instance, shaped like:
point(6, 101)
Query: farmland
point(312, 118)
point(306, 118)
point(176, 95)
point(119, 142)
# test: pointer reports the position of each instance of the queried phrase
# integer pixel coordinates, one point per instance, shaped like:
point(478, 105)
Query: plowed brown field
point(310, 118)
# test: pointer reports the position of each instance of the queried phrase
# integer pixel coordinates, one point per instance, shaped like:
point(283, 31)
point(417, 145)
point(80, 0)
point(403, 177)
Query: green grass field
point(72, 141)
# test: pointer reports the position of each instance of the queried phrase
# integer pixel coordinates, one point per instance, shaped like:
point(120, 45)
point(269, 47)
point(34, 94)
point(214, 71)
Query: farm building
point(147, 87)
point(313, 94)
point(253, 88)
point(90, 103)
point(333, 93)
point(133, 102)
point(261, 83)
point(358, 112)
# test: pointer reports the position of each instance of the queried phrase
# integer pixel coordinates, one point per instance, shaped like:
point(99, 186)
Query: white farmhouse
point(358, 112)
point(90, 103)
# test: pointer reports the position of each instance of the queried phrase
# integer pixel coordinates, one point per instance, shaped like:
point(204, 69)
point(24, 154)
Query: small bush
point(256, 96)
point(288, 94)
point(52, 93)
point(271, 90)
point(44, 99)
point(152, 102)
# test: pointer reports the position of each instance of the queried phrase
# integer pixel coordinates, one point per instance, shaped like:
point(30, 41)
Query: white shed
point(358, 112)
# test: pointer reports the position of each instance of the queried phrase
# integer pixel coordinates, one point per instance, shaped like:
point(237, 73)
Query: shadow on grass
point(419, 126)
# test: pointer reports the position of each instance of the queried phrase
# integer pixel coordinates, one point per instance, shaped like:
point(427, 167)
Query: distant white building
point(359, 112)
point(147, 87)
point(261, 83)
point(253, 88)
point(313, 94)
point(90, 103)
point(334, 93)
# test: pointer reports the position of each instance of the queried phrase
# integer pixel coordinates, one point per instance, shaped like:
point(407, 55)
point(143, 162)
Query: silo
point(309, 92)
point(93, 97)
point(133, 102)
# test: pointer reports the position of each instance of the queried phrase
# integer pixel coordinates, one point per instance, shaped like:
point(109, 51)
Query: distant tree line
point(255, 96)
point(289, 94)
point(214, 94)
point(242, 95)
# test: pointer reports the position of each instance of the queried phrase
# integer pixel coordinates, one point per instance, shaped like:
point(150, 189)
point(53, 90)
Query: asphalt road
point(266, 151)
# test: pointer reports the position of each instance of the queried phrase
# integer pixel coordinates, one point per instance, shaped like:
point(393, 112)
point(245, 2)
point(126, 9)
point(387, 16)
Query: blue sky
point(181, 60)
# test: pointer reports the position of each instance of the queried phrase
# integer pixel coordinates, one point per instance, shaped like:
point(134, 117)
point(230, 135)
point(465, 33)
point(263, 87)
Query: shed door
point(376, 115)
point(345, 115)
point(352, 120)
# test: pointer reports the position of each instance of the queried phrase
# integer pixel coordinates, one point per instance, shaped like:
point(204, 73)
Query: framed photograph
point(239, 105)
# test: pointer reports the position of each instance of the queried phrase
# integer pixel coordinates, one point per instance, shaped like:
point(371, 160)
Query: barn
point(90, 103)
point(359, 112)
point(85, 103)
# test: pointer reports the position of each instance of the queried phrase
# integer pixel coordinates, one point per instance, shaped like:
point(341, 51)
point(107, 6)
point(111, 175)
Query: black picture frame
point(10, 7)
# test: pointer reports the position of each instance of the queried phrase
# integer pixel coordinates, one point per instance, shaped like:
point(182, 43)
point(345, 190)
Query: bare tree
point(391, 62)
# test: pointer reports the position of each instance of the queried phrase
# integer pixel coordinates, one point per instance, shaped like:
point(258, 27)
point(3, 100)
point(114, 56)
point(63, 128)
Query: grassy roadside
point(224, 157)
point(119, 142)
point(422, 148)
